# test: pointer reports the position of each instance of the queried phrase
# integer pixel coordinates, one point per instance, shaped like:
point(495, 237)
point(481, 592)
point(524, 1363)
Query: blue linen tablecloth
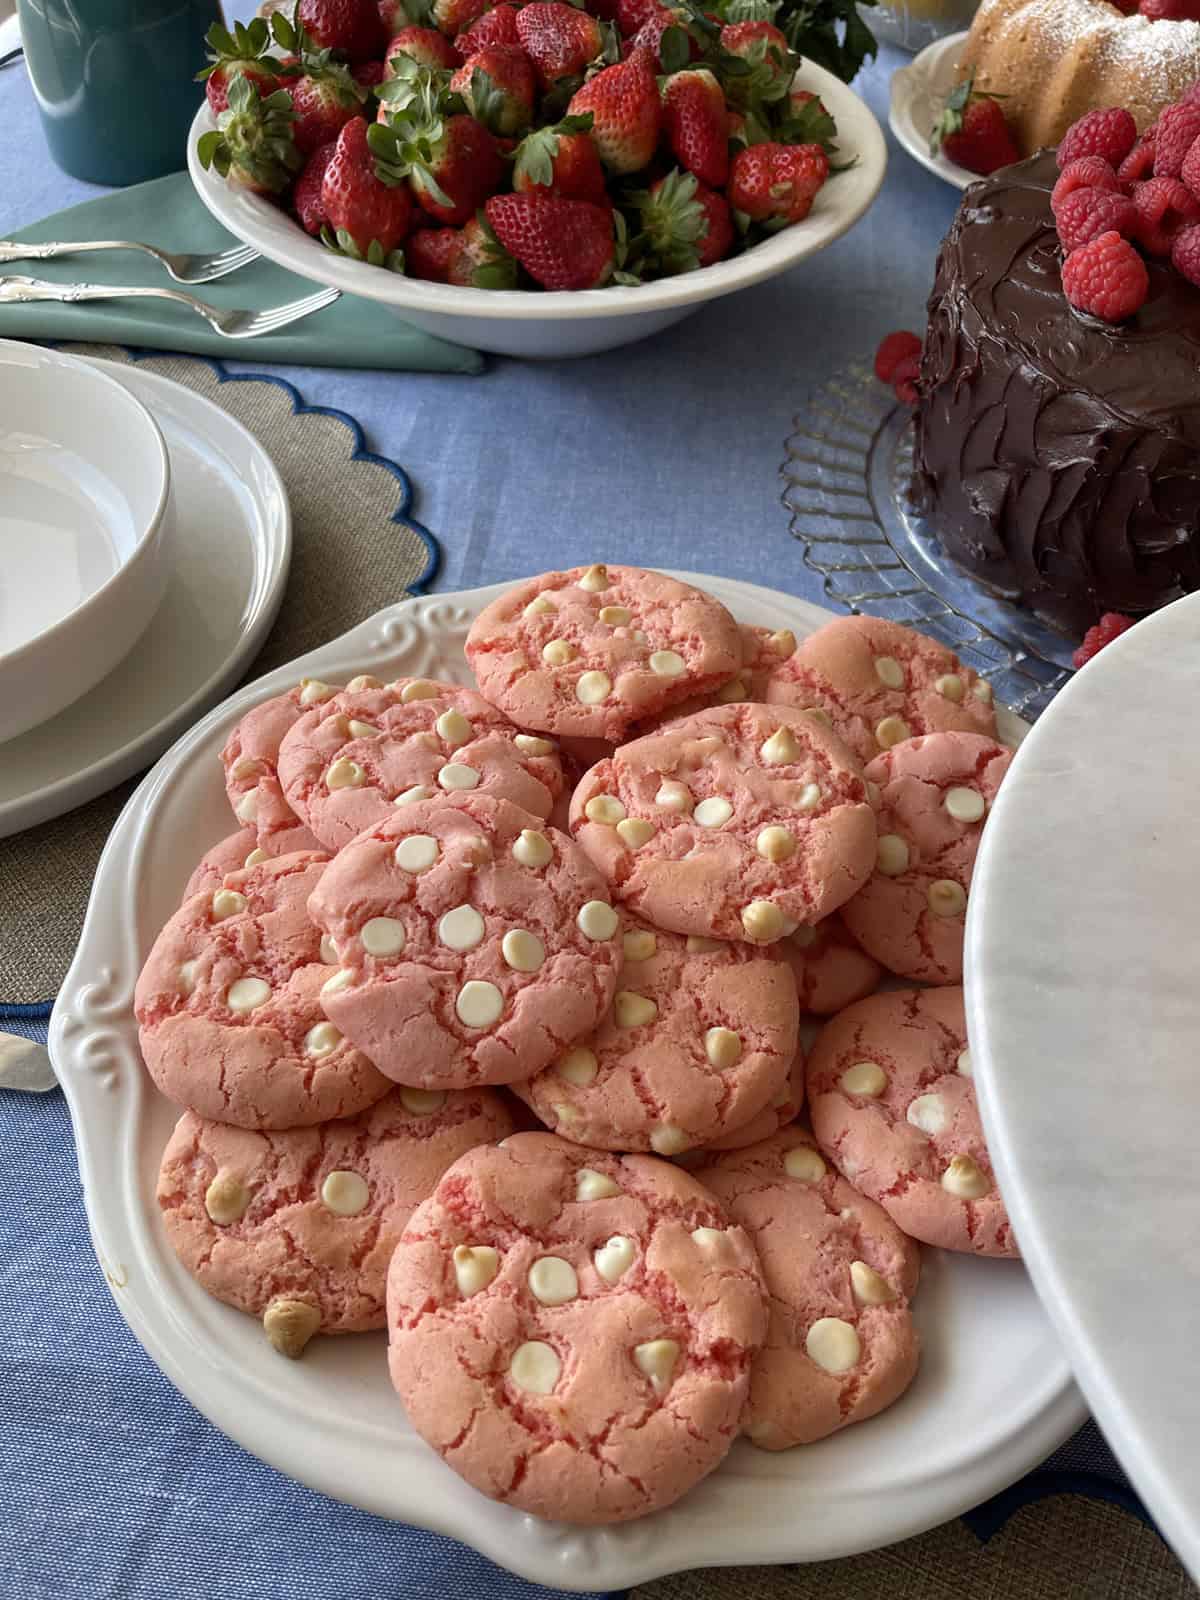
point(663, 454)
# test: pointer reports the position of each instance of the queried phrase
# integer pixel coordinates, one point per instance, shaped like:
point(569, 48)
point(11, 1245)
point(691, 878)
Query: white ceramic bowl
point(84, 493)
point(519, 322)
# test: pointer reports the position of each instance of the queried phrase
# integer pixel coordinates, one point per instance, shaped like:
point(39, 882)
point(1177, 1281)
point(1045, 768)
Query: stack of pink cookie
point(397, 959)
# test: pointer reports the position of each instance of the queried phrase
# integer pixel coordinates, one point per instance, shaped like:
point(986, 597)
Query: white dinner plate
point(1085, 1022)
point(228, 556)
point(993, 1397)
point(918, 93)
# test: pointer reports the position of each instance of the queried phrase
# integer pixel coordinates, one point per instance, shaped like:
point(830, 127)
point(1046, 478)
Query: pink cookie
point(841, 1344)
point(830, 969)
point(230, 1011)
point(298, 1227)
point(350, 761)
point(763, 649)
point(783, 1109)
point(251, 762)
point(246, 848)
point(571, 1331)
point(698, 1042)
point(934, 795)
point(591, 651)
point(893, 1107)
point(737, 823)
point(474, 946)
point(878, 683)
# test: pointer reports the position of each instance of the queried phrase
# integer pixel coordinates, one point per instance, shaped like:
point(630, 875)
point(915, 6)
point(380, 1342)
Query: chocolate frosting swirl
point(1057, 458)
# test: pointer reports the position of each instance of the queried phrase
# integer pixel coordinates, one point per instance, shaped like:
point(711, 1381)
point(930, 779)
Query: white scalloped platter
point(994, 1395)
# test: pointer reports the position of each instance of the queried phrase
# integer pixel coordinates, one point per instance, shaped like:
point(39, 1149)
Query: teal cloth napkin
point(167, 212)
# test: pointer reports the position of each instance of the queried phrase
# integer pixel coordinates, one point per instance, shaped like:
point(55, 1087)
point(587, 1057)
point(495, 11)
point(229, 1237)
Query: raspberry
point(1190, 171)
point(1164, 205)
point(1090, 172)
point(1178, 128)
point(1106, 278)
point(1111, 134)
point(895, 348)
point(904, 379)
point(1139, 163)
point(1185, 254)
point(1111, 626)
point(1087, 212)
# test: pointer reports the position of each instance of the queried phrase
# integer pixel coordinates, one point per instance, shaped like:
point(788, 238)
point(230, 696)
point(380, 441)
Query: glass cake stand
point(847, 469)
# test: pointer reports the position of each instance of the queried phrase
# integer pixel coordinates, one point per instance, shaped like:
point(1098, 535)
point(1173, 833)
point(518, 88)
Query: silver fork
point(184, 268)
point(233, 324)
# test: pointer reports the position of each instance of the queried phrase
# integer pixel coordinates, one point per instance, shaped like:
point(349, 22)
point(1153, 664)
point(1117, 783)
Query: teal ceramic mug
point(114, 82)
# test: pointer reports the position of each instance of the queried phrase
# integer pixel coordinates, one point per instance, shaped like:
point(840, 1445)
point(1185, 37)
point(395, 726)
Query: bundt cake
point(1052, 60)
point(1057, 458)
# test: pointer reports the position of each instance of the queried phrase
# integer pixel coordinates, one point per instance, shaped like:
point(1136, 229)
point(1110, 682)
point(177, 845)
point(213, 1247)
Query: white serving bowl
point(518, 322)
point(84, 493)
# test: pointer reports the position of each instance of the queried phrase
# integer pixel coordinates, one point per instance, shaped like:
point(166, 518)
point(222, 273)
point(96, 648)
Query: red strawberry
point(777, 180)
point(765, 51)
point(452, 162)
point(697, 124)
point(562, 244)
point(369, 74)
point(972, 132)
point(451, 16)
point(478, 259)
point(650, 37)
point(240, 54)
point(306, 196)
point(252, 145)
point(560, 160)
point(366, 217)
point(324, 99)
point(631, 14)
point(497, 26)
point(623, 100)
point(428, 253)
point(561, 40)
point(351, 27)
point(426, 45)
point(499, 87)
point(683, 225)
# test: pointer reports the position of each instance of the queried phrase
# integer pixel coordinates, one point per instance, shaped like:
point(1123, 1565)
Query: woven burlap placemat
point(350, 557)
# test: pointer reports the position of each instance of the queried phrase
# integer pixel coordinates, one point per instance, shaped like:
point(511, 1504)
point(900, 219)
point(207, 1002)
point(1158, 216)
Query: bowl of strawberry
point(541, 179)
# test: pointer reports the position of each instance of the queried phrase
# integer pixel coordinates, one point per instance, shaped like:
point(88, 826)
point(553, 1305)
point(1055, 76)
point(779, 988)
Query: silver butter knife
point(25, 1065)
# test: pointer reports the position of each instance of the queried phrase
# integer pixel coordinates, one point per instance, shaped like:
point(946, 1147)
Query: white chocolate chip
point(763, 921)
point(226, 1199)
point(928, 1112)
point(248, 768)
point(595, 578)
point(454, 729)
point(615, 616)
point(422, 1102)
point(528, 745)
point(557, 652)
point(532, 849)
point(474, 1267)
point(329, 951)
point(419, 689)
point(673, 796)
point(949, 686)
point(729, 693)
point(461, 929)
point(340, 980)
point(656, 1359)
point(723, 1048)
point(522, 950)
point(714, 812)
point(809, 798)
point(597, 920)
point(965, 1179)
point(781, 749)
point(833, 1344)
point(782, 642)
point(775, 843)
point(604, 808)
point(803, 1162)
point(891, 855)
point(669, 1140)
point(982, 690)
point(479, 1004)
point(891, 731)
point(246, 809)
point(698, 945)
point(363, 681)
point(553, 1281)
point(187, 976)
point(289, 1325)
point(639, 944)
point(579, 1066)
point(457, 775)
point(873, 794)
point(592, 1185)
point(866, 1078)
point(255, 858)
point(635, 832)
point(227, 903)
point(709, 1238)
point(870, 1288)
point(964, 1064)
point(965, 805)
point(322, 1039)
point(593, 688)
point(633, 1010)
point(382, 936)
point(345, 1193)
point(889, 671)
point(538, 606)
point(417, 853)
point(818, 714)
point(344, 774)
point(363, 730)
point(313, 691)
point(614, 1258)
point(417, 792)
point(946, 898)
point(426, 741)
point(247, 994)
point(535, 1367)
point(667, 663)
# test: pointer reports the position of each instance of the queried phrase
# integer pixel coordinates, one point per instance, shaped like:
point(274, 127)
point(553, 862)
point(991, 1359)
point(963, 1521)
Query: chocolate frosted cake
point(1057, 459)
